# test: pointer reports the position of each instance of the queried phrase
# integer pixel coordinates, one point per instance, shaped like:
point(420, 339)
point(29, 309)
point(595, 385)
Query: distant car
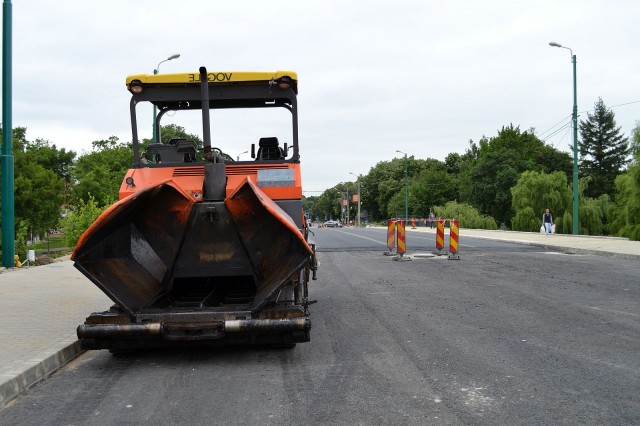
point(332, 224)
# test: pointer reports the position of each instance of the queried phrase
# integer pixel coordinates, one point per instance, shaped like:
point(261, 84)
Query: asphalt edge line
point(19, 385)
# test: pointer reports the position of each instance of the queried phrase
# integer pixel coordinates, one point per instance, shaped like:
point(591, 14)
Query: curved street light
point(576, 222)
point(406, 188)
point(241, 154)
point(156, 71)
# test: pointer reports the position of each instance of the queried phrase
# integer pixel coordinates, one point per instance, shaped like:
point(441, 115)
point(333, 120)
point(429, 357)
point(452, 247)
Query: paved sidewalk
point(621, 248)
point(41, 306)
point(40, 309)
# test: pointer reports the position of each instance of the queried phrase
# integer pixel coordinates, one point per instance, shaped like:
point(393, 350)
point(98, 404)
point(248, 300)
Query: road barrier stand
point(391, 237)
point(439, 237)
point(402, 242)
point(453, 240)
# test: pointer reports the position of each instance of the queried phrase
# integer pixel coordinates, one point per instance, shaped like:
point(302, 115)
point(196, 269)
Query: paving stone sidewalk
point(40, 309)
point(621, 248)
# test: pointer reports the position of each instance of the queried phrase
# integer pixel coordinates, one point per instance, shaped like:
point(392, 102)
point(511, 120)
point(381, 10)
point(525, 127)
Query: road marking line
point(611, 311)
point(413, 237)
point(384, 243)
point(365, 238)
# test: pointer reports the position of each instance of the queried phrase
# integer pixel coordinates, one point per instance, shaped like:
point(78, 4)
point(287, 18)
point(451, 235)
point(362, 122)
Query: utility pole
point(8, 202)
point(358, 176)
point(576, 209)
point(347, 206)
point(406, 188)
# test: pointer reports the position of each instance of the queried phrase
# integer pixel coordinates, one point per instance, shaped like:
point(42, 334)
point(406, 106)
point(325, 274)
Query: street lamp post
point(576, 222)
point(406, 188)
point(358, 176)
point(241, 154)
point(347, 206)
point(6, 168)
point(156, 71)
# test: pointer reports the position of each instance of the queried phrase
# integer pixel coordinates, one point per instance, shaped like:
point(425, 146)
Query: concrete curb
point(572, 250)
point(29, 373)
point(566, 249)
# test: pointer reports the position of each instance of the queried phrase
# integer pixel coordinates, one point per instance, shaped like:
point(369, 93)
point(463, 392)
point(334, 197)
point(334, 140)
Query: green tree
point(634, 146)
point(468, 215)
point(39, 194)
point(79, 219)
point(308, 205)
point(595, 215)
point(380, 184)
point(328, 204)
point(60, 161)
point(604, 150)
point(46, 154)
point(39, 190)
point(626, 215)
point(499, 163)
point(459, 169)
point(385, 181)
point(99, 173)
point(435, 185)
point(533, 193)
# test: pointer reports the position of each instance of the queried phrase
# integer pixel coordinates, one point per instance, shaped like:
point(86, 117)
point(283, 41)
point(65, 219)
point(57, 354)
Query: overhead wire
point(555, 132)
point(552, 127)
point(567, 125)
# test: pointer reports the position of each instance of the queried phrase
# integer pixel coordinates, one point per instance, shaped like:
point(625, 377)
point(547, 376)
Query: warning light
point(284, 83)
point(136, 87)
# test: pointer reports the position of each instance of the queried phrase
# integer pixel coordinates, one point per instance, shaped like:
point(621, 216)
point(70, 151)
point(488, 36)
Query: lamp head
point(554, 44)
point(174, 56)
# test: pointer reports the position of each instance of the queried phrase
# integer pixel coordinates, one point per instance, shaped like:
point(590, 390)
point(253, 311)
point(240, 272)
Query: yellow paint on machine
point(213, 77)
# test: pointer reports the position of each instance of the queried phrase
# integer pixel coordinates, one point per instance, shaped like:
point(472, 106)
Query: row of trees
point(509, 178)
point(59, 188)
point(506, 180)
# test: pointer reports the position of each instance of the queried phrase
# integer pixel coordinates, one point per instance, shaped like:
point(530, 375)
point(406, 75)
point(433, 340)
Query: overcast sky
point(420, 76)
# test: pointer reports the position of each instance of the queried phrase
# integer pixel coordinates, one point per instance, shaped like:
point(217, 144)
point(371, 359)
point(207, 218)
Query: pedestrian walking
point(431, 219)
point(547, 222)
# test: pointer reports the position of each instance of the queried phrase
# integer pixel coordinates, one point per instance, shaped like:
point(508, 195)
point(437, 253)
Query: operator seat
point(268, 149)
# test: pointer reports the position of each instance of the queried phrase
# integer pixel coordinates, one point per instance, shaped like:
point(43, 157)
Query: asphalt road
point(507, 335)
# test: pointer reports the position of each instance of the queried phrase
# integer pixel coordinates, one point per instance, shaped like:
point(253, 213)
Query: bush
point(536, 191)
point(21, 239)
point(526, 220)
point(468, 216)
point(79, 220)
point(626, 215)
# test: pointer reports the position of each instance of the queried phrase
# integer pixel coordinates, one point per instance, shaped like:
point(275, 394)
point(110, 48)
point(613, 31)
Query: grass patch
point(55, 241)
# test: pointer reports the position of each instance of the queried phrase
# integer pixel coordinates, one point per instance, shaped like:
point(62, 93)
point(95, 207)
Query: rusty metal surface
point(141, 248)
point(283, 325)
point(129, 251)
point(276, 248)
point(266, 326)
point(193, 332)
point(97, 331)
